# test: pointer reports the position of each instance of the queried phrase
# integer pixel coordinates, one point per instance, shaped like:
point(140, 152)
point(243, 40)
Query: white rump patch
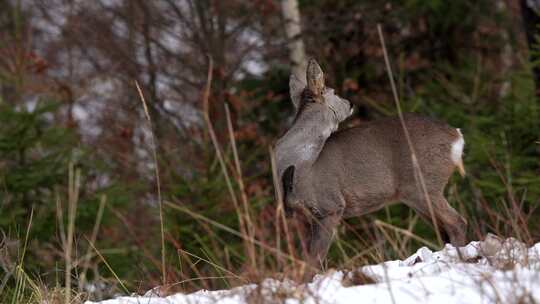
point(457, 148)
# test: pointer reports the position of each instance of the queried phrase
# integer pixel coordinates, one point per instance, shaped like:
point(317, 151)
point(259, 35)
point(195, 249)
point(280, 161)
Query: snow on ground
point(491, 271)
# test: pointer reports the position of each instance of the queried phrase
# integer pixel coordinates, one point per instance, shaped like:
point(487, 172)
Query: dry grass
point(158, 183)
point(279, 258)
point(419, 176)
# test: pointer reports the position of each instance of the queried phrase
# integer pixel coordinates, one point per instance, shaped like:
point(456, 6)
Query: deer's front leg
point(322, 233)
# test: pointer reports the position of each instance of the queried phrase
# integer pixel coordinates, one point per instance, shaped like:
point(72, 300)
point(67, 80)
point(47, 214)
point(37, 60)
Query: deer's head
point(318, 113)
point(315, 96)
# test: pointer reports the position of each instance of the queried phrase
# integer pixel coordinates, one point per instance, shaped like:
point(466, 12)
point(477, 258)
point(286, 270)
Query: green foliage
point(34, 155)
point(446, 57)
point(451, 76)
point(501, 152)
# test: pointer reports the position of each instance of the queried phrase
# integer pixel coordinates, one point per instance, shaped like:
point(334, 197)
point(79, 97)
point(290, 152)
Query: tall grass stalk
point(73, 198)
point(19, 270)
point(240, 181)
point(158, 183)
point(93, 237)
point(404, 232)
point(219, 154)
point(215, 265)
point(232, 231)
point(280, 212)
point(418, 172)
point(108, 266)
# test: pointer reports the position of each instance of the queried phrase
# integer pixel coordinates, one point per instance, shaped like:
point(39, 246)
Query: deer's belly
point(357, 204)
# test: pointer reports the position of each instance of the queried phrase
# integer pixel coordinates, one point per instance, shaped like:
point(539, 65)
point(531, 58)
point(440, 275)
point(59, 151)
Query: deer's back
point(371, 164)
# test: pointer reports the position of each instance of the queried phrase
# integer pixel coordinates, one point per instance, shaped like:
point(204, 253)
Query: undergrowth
point(207, 248)
point(70, 231)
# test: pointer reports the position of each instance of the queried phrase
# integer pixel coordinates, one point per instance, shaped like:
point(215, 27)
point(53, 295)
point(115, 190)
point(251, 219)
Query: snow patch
point(490, 271)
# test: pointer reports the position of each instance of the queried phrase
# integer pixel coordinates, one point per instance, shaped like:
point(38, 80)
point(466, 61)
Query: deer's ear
point(296, 87)
point(315, 78)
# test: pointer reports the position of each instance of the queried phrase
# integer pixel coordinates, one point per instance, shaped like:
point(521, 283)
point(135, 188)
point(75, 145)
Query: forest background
point(81, 212)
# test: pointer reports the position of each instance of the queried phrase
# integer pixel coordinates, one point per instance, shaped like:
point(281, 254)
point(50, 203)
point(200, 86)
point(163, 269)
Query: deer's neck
point(301, 145)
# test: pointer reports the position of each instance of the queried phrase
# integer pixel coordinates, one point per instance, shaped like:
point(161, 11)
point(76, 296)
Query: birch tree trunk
point(531, 20)
point(513, 43)
point(295, 44)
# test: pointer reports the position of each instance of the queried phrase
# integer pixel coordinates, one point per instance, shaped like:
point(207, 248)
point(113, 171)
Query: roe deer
point(361, 169)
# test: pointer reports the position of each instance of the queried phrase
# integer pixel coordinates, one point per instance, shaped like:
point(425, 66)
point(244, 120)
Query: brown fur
point(360, 170)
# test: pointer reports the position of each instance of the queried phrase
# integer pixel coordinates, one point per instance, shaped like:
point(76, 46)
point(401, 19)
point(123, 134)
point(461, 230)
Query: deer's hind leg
point(446, 217)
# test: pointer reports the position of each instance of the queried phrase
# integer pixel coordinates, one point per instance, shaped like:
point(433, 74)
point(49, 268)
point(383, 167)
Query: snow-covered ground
point(491, 271)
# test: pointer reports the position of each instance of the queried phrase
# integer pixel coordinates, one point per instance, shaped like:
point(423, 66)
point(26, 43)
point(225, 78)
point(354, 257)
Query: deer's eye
point(308, 96)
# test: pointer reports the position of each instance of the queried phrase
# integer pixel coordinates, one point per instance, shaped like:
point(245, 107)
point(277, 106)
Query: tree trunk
point(531, 20)
point(514, 45)
point(293, 31)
